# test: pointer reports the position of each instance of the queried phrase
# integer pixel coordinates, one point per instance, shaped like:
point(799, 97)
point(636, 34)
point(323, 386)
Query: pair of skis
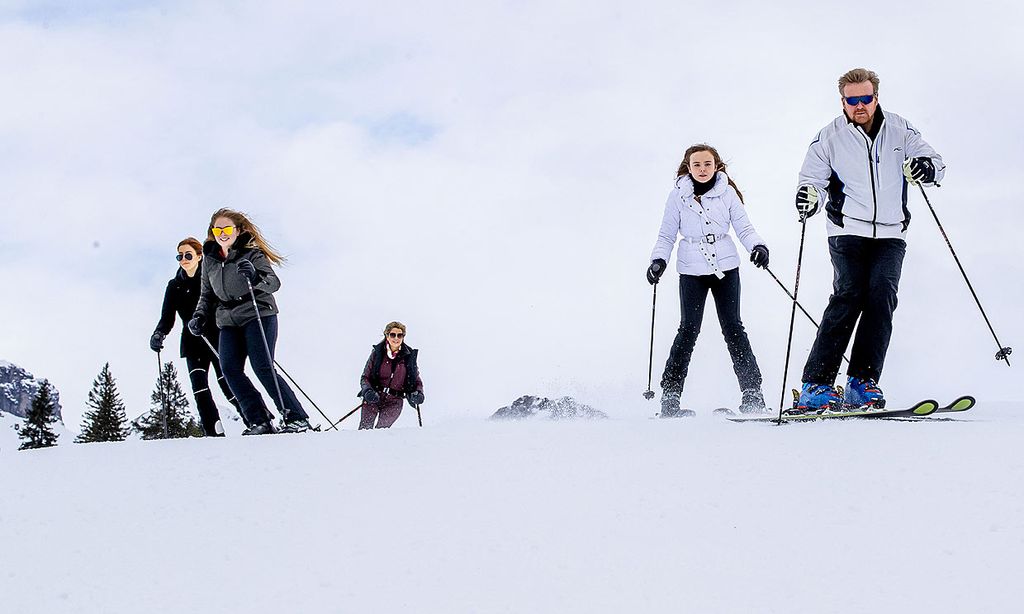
point(920, 409)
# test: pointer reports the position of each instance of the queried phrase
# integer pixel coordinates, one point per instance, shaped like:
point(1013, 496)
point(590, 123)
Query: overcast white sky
point(493, 175)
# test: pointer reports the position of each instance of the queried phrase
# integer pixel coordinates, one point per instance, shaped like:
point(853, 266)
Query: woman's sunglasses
point(187, 256)
point(396, 335)
point(228, 230)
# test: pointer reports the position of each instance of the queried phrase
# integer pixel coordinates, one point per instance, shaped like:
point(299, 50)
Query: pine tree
point(107, 421)
point(36, 431)
point(168, 398)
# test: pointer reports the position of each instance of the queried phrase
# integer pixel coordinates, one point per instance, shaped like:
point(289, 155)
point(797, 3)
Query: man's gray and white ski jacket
point(860, 181)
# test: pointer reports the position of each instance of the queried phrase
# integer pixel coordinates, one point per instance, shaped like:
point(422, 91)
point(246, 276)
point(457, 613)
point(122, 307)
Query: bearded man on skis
point(858, 169)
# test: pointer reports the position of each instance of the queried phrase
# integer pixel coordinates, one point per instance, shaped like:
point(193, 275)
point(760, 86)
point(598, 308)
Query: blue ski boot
point(863, 393)
point(815, 399)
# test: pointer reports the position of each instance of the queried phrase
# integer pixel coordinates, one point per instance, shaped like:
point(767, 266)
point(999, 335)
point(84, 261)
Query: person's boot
point(863, 393)
point(815, 399)
point(670, 406)
point(753, 402)
point(295, 426)
point(264, 428)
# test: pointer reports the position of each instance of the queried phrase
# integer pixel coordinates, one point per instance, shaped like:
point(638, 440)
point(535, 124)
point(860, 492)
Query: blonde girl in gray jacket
point(701, 207)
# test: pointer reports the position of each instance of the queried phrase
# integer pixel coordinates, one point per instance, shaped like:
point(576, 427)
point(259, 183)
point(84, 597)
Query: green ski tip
point(962, 404)
point(925, 408)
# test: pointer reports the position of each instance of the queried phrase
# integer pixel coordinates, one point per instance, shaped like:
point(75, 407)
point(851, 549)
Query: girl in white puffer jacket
point(700, 210)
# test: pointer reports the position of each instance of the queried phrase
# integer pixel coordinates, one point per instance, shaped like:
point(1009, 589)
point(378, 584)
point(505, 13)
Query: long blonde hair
point(244, 224)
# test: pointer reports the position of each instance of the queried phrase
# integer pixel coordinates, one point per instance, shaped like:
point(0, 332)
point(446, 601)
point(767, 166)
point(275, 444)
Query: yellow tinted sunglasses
point(228, 230)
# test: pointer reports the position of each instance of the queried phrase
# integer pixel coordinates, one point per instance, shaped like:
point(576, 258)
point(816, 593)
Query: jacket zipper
point(871, 172)
point(223, 288)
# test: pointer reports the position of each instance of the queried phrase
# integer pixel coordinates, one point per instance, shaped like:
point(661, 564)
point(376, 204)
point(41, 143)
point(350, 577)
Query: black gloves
point(197, 324)
point(370, 396)
point(247, 270)
point(919, 170)
point(416, 397)
point(759, 256)
point(156, 342)
point(656, 270)
point(806, 201)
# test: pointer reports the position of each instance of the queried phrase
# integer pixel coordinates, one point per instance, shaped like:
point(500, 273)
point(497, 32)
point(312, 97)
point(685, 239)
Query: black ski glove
point(247, 269)
point(759, 256)
point(806, 201)
point(919, 170)
point(416, 397)
point(656, 270)
point(370, 396)
point(197, 324)
point(156, 342)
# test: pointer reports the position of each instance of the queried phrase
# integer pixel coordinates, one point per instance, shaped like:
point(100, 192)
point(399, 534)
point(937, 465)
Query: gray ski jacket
point(860, 181)
point(225, 289)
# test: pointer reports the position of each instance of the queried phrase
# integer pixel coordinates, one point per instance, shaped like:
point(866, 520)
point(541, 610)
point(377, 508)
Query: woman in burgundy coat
point(389, 377)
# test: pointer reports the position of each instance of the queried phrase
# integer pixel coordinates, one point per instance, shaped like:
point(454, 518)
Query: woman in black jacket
point(236, 258)
point(181, 297)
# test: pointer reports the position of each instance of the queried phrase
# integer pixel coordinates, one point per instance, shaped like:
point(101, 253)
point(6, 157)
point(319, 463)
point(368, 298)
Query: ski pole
point(792, 315)
point(419, 416)
point(1004, 351)
point(354, 410)
point(163, 393)
point(790, 295)
point(266, 346)
point(296, 384)
point(274, 364)
point(650, 363)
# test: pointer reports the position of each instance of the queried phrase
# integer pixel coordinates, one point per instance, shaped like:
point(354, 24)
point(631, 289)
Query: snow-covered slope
point(621, 515)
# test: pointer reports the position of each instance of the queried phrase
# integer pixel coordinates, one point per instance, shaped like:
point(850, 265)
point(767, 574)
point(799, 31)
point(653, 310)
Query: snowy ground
point(623, 515)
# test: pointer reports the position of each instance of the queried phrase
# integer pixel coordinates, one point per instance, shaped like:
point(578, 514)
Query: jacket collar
point(876, 127)
point(182, 277)
point(382, 347)
point(685, 185)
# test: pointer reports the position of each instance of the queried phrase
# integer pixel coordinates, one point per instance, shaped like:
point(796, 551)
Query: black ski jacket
point(181, 297)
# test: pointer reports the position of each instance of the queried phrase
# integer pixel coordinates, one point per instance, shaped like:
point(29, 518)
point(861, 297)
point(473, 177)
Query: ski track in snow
point(621, 515)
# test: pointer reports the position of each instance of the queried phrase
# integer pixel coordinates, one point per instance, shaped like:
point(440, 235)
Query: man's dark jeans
point(236, 344)
point(867, 277)
point(693, 292)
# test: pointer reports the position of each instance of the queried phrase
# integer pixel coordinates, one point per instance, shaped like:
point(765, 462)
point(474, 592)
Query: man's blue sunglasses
point(855, 100)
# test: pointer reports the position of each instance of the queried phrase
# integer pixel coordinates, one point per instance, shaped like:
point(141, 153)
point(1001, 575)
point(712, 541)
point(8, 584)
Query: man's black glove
point(156, 342)
point(247, 269)
point(759, 256)
point(197, 324)
point(370, 396)
point(806, 201)
point(919, 170)
point(416, 397)
point(656, 270)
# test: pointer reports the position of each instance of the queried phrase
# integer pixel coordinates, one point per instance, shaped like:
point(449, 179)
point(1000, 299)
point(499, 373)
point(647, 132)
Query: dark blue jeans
point(693, 293)
point(240, 342)
point(867, 277)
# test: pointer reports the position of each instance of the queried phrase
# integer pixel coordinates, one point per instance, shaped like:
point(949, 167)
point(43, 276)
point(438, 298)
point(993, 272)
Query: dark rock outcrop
point(17, 389)
point(565, 408)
